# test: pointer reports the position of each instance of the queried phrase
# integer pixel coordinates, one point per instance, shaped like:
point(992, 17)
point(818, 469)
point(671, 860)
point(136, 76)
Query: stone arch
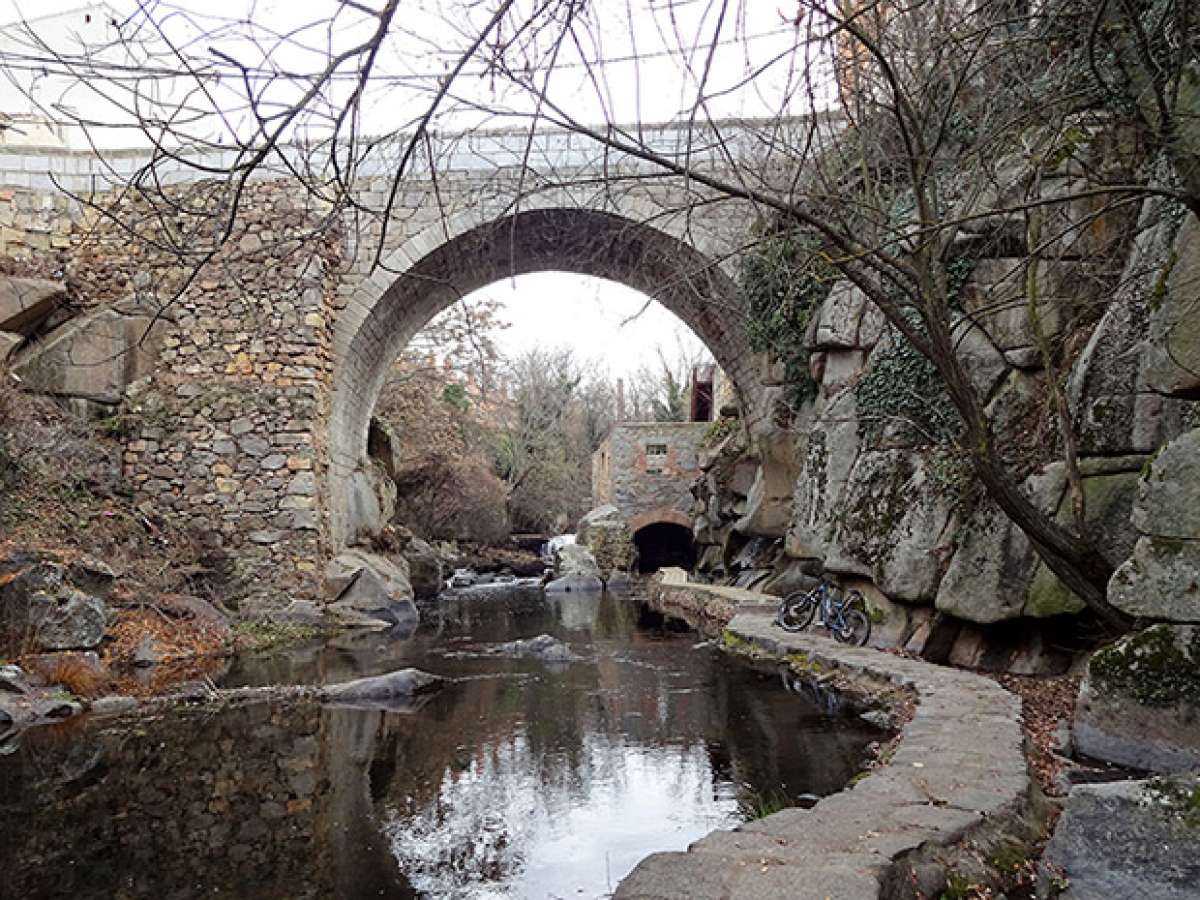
point(468, 251)
point(660, 516)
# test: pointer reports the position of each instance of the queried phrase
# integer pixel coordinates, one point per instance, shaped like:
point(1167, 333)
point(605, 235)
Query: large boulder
point(370, 501)
point(1109, 385)
point(893, 525)
point(369, 587)
point(426, 568)
point(1126, 839)
point(1168, 503)
point(575, 560)
point(828, 456)
point(1162, 578)
point(606, 516)
point(1160, 581)
point(996, 297)
point(1139, 704)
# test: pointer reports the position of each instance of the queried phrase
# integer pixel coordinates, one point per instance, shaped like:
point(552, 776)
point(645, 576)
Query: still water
point(521, 779)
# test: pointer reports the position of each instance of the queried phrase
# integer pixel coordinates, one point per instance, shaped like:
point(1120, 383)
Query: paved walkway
point(959, 764)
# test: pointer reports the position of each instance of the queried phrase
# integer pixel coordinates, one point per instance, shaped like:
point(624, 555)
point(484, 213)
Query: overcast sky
point(645, 62)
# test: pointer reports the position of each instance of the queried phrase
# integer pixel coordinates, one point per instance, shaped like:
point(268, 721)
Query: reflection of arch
point(466, 252)
point(661, 515)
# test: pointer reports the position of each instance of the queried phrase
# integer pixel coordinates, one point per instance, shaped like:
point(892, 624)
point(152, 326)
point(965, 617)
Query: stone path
point(959, 765)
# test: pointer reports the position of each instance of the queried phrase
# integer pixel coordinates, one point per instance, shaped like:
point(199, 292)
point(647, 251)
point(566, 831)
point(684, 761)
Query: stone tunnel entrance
point(662, 544)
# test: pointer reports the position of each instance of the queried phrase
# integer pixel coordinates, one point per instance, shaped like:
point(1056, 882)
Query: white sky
point(551, 309)
point(749, 74)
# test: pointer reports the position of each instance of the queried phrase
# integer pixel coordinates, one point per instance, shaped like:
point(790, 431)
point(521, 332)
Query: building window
point(656, 457)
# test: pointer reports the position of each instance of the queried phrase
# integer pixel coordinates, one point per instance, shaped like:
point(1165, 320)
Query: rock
point(838, 318)
point(995, 297)
point(147, 653)
point(575, 560)
point(984, 364)
point(990, 573)
point(1160, 581)
point(95, 356)
point(67, 619)
point(55, 708)
point(112, 706)
point(426, 568)
point(543, 647)
point(1139, 704)
point(893, 525)
point(301, 612)
point(879, 718)
point(1116, 409)
point(1173, 357)
point(1168, 502)
point(25, 302)
point(9, 343)
point(1126, 839)
point(605, 516)
point(91, 575)
point(570, 583)
point(829, 456)
point(367, 585)
point(370, 501)
point(399, 685)
point(13, 680)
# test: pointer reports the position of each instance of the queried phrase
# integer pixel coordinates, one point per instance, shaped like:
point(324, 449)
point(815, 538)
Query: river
point(520, 779)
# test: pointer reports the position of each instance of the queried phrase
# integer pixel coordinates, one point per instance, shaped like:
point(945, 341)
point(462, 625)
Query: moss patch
point(1158, 667)
point(1180, 796)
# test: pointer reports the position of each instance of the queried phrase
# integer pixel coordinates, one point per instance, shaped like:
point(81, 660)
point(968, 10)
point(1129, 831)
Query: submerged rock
point(401, 684)
point(543, 647)
point(1126, 839)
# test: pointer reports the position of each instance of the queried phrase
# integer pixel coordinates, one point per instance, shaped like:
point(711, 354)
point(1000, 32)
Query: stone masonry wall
point(227, 422)
point(638, 489)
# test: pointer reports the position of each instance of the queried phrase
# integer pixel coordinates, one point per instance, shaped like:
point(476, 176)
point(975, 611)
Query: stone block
point(95, 356)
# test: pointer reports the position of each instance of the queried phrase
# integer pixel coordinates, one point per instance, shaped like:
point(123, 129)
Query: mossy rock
point(1140, 701)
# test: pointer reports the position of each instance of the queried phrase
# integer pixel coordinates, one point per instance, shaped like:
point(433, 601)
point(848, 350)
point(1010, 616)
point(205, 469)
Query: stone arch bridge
point(252, 393)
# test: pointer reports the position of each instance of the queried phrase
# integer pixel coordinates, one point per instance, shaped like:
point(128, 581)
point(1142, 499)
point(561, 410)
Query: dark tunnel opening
point(664, 544)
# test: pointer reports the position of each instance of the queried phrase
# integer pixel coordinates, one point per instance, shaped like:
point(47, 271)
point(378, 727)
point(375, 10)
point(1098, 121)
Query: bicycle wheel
point(853, 628)
point(797, 611)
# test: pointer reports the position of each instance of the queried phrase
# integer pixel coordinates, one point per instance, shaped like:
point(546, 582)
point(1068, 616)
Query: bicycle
point(842, 614)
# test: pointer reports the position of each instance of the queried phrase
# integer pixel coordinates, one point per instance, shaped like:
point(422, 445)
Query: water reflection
point(516, 781)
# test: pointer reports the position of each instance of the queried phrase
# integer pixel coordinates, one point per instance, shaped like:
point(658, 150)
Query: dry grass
point(75, 672)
